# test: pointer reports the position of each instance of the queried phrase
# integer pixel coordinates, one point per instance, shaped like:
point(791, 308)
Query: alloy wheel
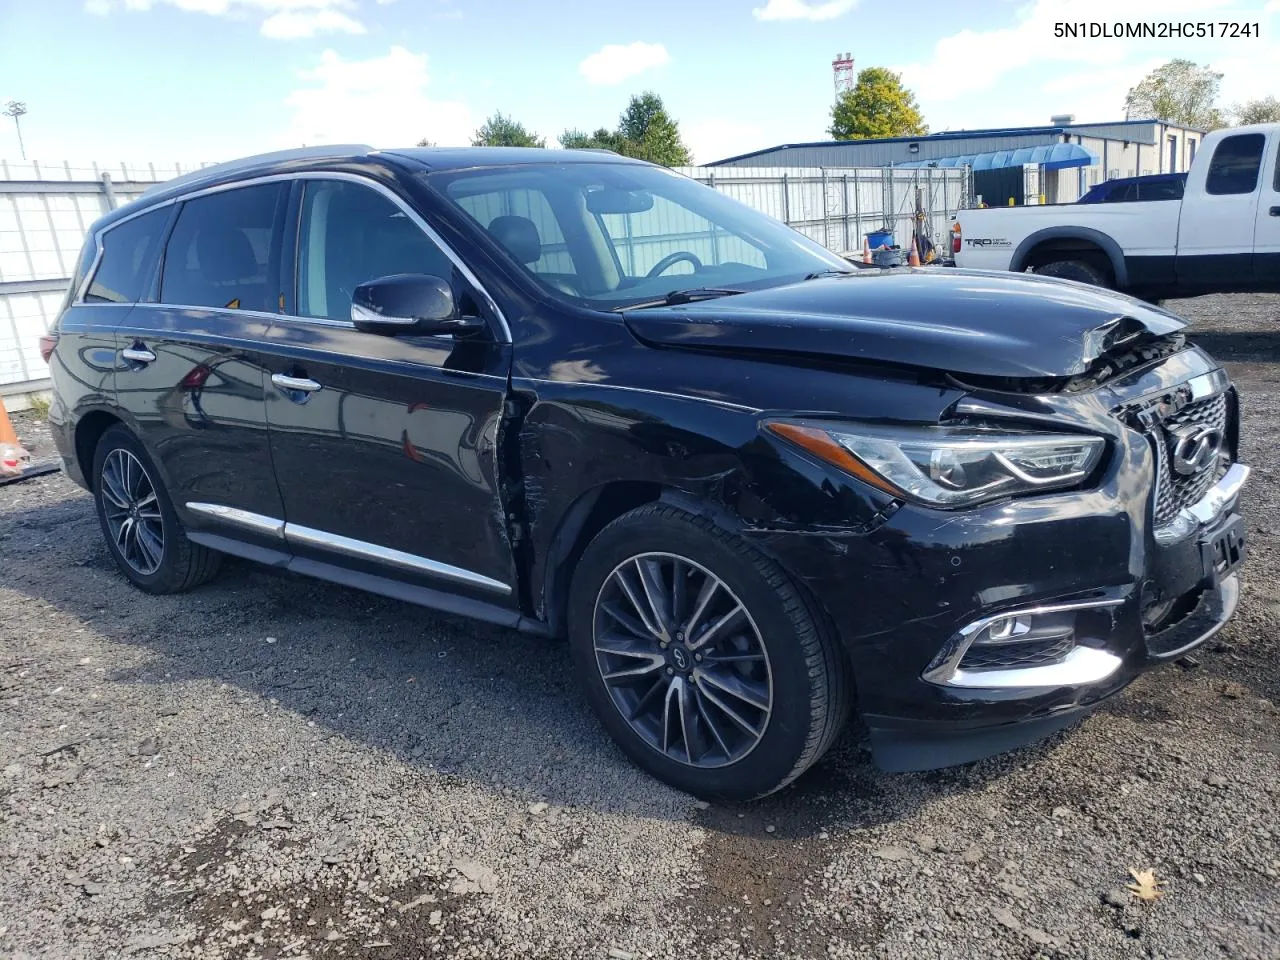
point(132, 511)
point(683, 660)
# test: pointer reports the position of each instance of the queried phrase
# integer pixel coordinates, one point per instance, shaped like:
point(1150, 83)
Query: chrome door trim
point(241, 518)
point(296, 533)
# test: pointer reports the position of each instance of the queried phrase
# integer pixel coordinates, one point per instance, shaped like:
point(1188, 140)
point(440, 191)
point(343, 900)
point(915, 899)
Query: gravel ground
point(274, 767)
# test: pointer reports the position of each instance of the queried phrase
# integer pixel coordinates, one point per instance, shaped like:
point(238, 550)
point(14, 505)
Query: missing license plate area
point(1224, 551)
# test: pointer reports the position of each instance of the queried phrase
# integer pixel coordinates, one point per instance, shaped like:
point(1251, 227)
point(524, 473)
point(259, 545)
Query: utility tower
point(842, 73)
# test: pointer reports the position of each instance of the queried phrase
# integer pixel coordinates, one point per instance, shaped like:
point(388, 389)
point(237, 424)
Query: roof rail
point(246, 163)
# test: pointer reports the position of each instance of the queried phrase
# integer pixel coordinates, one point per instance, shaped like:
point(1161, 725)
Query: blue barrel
point(880, 238)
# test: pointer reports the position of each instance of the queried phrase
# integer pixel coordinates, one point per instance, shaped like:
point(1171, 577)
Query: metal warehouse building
point(1066, 158)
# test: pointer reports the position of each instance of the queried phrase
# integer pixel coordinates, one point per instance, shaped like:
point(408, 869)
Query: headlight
point(949, 466)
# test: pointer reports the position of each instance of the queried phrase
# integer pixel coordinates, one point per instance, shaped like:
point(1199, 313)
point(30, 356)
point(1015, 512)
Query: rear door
point(191, 363)
point(1266, 231)
point(387, 447)
point(1216, 227)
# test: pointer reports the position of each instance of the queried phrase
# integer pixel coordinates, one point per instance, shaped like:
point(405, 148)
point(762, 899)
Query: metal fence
point(837, 206)
point(46, 209)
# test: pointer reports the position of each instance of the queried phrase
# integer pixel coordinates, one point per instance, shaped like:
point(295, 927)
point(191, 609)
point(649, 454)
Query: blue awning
point(1053, 156)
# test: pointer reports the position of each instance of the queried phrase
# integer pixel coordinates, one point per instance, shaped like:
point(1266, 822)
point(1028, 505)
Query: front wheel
point(701, 657)
point(143, 533)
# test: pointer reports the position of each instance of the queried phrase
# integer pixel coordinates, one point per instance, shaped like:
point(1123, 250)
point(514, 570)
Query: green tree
point(602, 139)
point(647, 128)
point(424, 142)
point(1179, 92)
point(1264, 110)
point(500, 131)
point(645, 131)
point(877, 106)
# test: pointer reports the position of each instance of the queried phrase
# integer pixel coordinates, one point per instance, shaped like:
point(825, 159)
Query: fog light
point(1006, 629)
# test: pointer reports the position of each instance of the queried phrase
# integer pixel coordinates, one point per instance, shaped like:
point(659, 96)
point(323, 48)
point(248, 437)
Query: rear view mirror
point(408, 303)
point(604, 200)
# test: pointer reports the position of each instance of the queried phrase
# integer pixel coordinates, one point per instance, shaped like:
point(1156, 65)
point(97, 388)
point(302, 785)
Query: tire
point(1077, 270)
point(152, 551)
point(780, 654)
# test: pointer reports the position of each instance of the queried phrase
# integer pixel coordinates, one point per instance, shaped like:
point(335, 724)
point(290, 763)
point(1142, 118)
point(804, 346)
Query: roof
point(943, 135)
point(1053, 156)
point(461, 158)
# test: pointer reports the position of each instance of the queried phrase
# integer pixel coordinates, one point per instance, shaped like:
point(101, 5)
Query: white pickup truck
point(1222, 236)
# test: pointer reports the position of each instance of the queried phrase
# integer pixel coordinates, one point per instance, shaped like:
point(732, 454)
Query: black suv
point(583, 396)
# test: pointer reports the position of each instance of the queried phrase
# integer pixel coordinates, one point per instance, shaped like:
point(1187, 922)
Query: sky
point(207, 80)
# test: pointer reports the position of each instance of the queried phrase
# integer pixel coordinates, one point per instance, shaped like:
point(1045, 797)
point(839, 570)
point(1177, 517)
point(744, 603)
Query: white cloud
point(615, 62)
point(285, 19)
point(968, 79)
point(802, 10)
point(382, 101)
point(717, 138)
point(293, 24)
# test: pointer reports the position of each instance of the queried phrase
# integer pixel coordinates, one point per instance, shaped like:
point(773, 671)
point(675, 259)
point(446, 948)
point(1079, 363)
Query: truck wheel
point(701, 657)
point(1077, 270)
point(144, 535)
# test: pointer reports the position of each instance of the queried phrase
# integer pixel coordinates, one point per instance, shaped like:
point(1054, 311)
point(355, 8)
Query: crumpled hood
point(963, 321)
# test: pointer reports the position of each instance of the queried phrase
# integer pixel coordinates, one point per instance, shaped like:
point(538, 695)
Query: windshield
point(610, 235)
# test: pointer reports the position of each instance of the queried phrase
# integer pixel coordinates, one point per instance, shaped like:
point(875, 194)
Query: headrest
point(519, 235)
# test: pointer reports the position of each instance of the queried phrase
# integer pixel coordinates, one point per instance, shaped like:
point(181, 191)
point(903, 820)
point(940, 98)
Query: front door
point(1266, 231)
point(386, 447)
point(190, 369)
point(1215, 229)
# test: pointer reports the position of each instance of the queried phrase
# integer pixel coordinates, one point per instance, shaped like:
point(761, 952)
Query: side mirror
point(409, 303)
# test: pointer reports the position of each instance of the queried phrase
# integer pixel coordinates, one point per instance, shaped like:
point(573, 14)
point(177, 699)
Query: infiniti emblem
point(1195, 447)
point(679, 658)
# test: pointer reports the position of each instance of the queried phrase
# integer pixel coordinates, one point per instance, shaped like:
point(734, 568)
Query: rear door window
point(225, 250)
point(1123, 193)
point(128, 259)
point(1235, 164)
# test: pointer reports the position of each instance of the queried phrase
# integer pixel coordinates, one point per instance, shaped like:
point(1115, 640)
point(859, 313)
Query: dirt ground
point(275, 767)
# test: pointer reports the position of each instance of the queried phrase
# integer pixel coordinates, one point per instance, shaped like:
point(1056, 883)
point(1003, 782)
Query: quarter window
point(224, 250)
point(128, 259)
point(350, 234)
point(1235, 164)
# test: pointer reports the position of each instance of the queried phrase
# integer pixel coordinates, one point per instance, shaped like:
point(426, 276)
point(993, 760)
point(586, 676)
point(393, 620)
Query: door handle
point(1275, 211)
point(138, 354)
point(301, 384)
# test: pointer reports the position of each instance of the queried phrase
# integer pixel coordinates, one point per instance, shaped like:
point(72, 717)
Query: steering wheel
point(670, 260)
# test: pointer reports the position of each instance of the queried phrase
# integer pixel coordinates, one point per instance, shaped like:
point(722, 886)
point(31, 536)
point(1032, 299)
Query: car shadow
point(440, 694)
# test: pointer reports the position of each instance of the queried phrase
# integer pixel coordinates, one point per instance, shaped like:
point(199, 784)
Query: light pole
point(16, 109)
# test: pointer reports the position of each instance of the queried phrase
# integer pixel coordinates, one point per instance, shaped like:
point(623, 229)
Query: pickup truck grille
point(1176, 489)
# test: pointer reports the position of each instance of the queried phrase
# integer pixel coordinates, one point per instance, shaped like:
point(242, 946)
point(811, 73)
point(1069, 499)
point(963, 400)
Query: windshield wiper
point(677, 297)
point(829, 273)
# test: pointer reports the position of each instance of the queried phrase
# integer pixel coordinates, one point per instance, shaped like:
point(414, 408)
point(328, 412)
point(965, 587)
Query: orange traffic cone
point(13, 458)
point(866, 251)
point(914, 259)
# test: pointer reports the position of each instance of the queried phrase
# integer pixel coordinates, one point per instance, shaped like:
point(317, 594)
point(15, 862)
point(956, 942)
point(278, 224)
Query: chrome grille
point(1173, 490)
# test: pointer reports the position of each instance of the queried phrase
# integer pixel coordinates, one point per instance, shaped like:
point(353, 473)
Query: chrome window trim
point(408, 211)
point(296, 533)
point(948, 672)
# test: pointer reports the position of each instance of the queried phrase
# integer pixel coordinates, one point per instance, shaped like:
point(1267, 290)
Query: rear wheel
point(144, 535)
point(1080, 271)
point(701, 658)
